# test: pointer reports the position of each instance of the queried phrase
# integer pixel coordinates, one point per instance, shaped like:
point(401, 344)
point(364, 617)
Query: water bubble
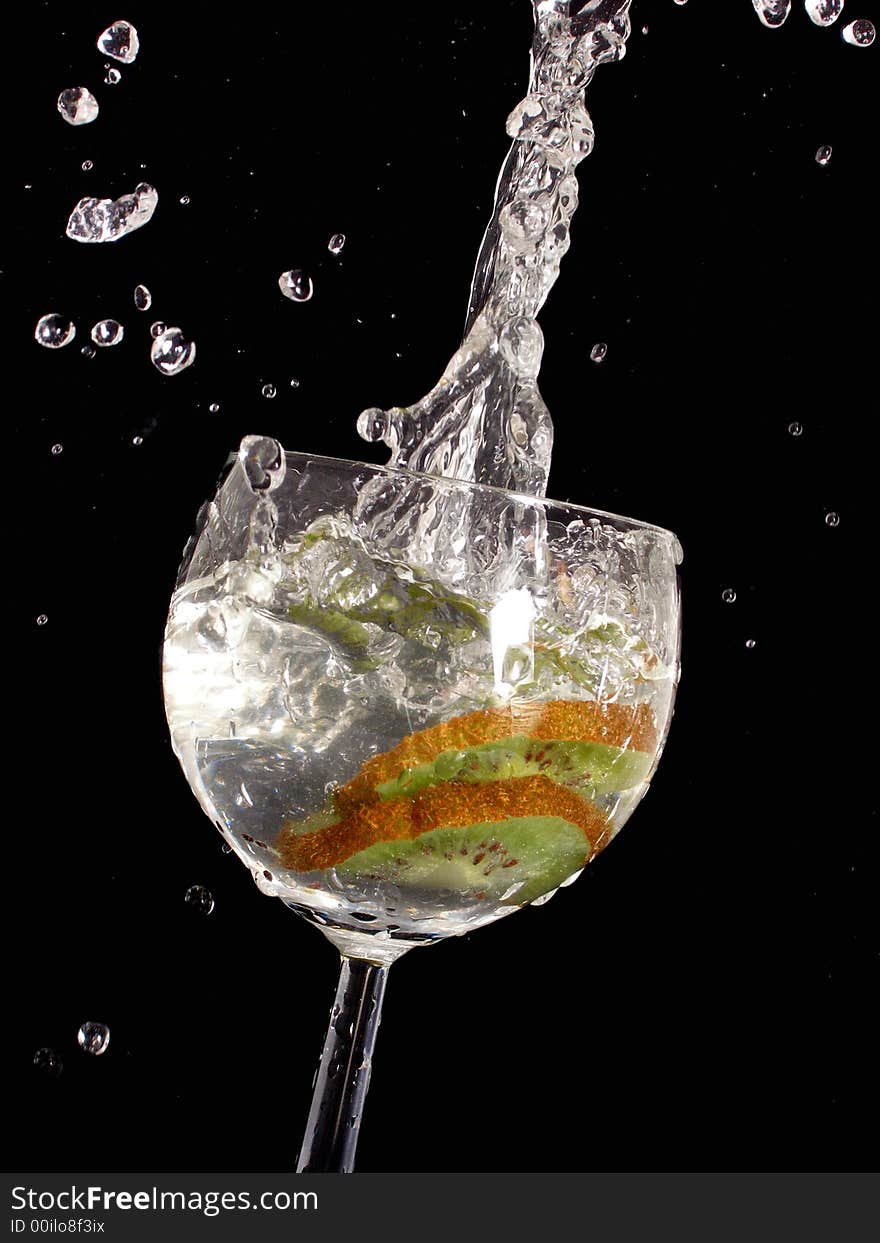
point(88, 351)
point(823, 155)
point(860, 33)
point(42, 619)
point(112, 77)
point(772, 12)
point(107, 332)
point(184, 199)
point(171, 352)
point(77, 105)
point(94, 1038)
point(263, 462)
point(296, 285)
point(823, 12)
point(200, 899)
point(87, 166)
point(268, 390)
point(157, 329)
point(107, 220)
point(336, 243)
point(750, 643)
point(53, 331)
point(372, 424)
point(728, 595)
point(832, 519)
point(56, 449)
point(119, 41)
point(49, 1062)
point(214, 407)
point(142, 298)
point(795, 428)
point(598, 352)
point(137, 441)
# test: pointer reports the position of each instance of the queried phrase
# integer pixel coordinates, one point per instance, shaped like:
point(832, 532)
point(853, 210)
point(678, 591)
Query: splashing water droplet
point(772, 12)
point(56, 449)
point(142, 298)
point(171, 352)
point(88, 351)
point(795, 429)
point(214, 407)
point(184, 199)
point(119, 41)
point(87, 166)
point(294, 383)
point(199, 899)
point(157, 329)
point(860, 33)
point(107, 332)
point(42, 619)
point(372, 424)
point(94, 1038)
point(137, 441)
point(77, 105)
point(268, 390)
point(823, 155)
point(728, 595)
point(832, 519)
point(53, 331)
point(49, 1062)
point(823, 12)
point(296, 285)
point(107, 220)
point(598, 352)
point(263, 462)
point(112, 77)
point(336, 243)
point(750, 643)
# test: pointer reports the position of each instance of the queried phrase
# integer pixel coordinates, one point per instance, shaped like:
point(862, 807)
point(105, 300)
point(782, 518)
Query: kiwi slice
point(533, 853)
point(592, 765)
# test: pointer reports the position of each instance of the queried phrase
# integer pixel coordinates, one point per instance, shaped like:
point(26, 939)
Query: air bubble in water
point(263, 462)
point(42, 619)
point(142, 297)
point(832, 519)
point(49, 1062)
point(112, 77)
point(728, 595)
point(860, 33)
point(157, 329)
point(296, 285)
point(171, 352)
point(200, 899)
point(106, 220)
point(823, 12)
point(336, 243)
point(119, 41)
point(268, 390)
point(795, 428)
point(772, 12)
point(823, 155)
point(56, 449)
point(87, 166)
point(77, 105)
point(107, 332)
point(53, 331)
point(94, 1038)
point(598, 352)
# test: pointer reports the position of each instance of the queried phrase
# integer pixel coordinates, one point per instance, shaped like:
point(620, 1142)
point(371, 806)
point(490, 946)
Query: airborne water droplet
point(94, 1038)
point(823, 155)
point(107, 332)
point(750, 643)
point(112, 77)
point(184, 199)
point(142, 298)
point(336, 243)
point(107, 220)
point(772, 12)
point(598, 352)
point(120, 41)
point(859, 33)
point(372, 424)
point(296, 285)
point(49, 1062)
point(87, 166)
point(157, 329)
point(823, 12)
point(171, 352)
point(263, 462)
point(832, 519)
point(795, 428)
point(77, 105)
point(214, 407)
point(42, 619)
point(56, 449)
point(88, 351)
point(728, 595)
point(53, 331)
point(268, 390)
point(199, 899)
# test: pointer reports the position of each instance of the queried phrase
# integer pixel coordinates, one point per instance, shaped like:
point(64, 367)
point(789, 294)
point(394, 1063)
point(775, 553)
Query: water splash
point(485, 420)
point(107, 220)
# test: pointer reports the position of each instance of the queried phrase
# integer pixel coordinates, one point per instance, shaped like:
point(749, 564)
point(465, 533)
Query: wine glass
point(411, 705)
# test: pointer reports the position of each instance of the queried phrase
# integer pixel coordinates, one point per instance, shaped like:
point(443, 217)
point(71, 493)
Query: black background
point(701, 999)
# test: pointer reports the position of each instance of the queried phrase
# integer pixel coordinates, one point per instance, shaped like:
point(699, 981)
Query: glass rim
point(451, 481)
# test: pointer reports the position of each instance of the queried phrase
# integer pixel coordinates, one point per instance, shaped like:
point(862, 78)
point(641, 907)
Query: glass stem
point(344, 1073)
